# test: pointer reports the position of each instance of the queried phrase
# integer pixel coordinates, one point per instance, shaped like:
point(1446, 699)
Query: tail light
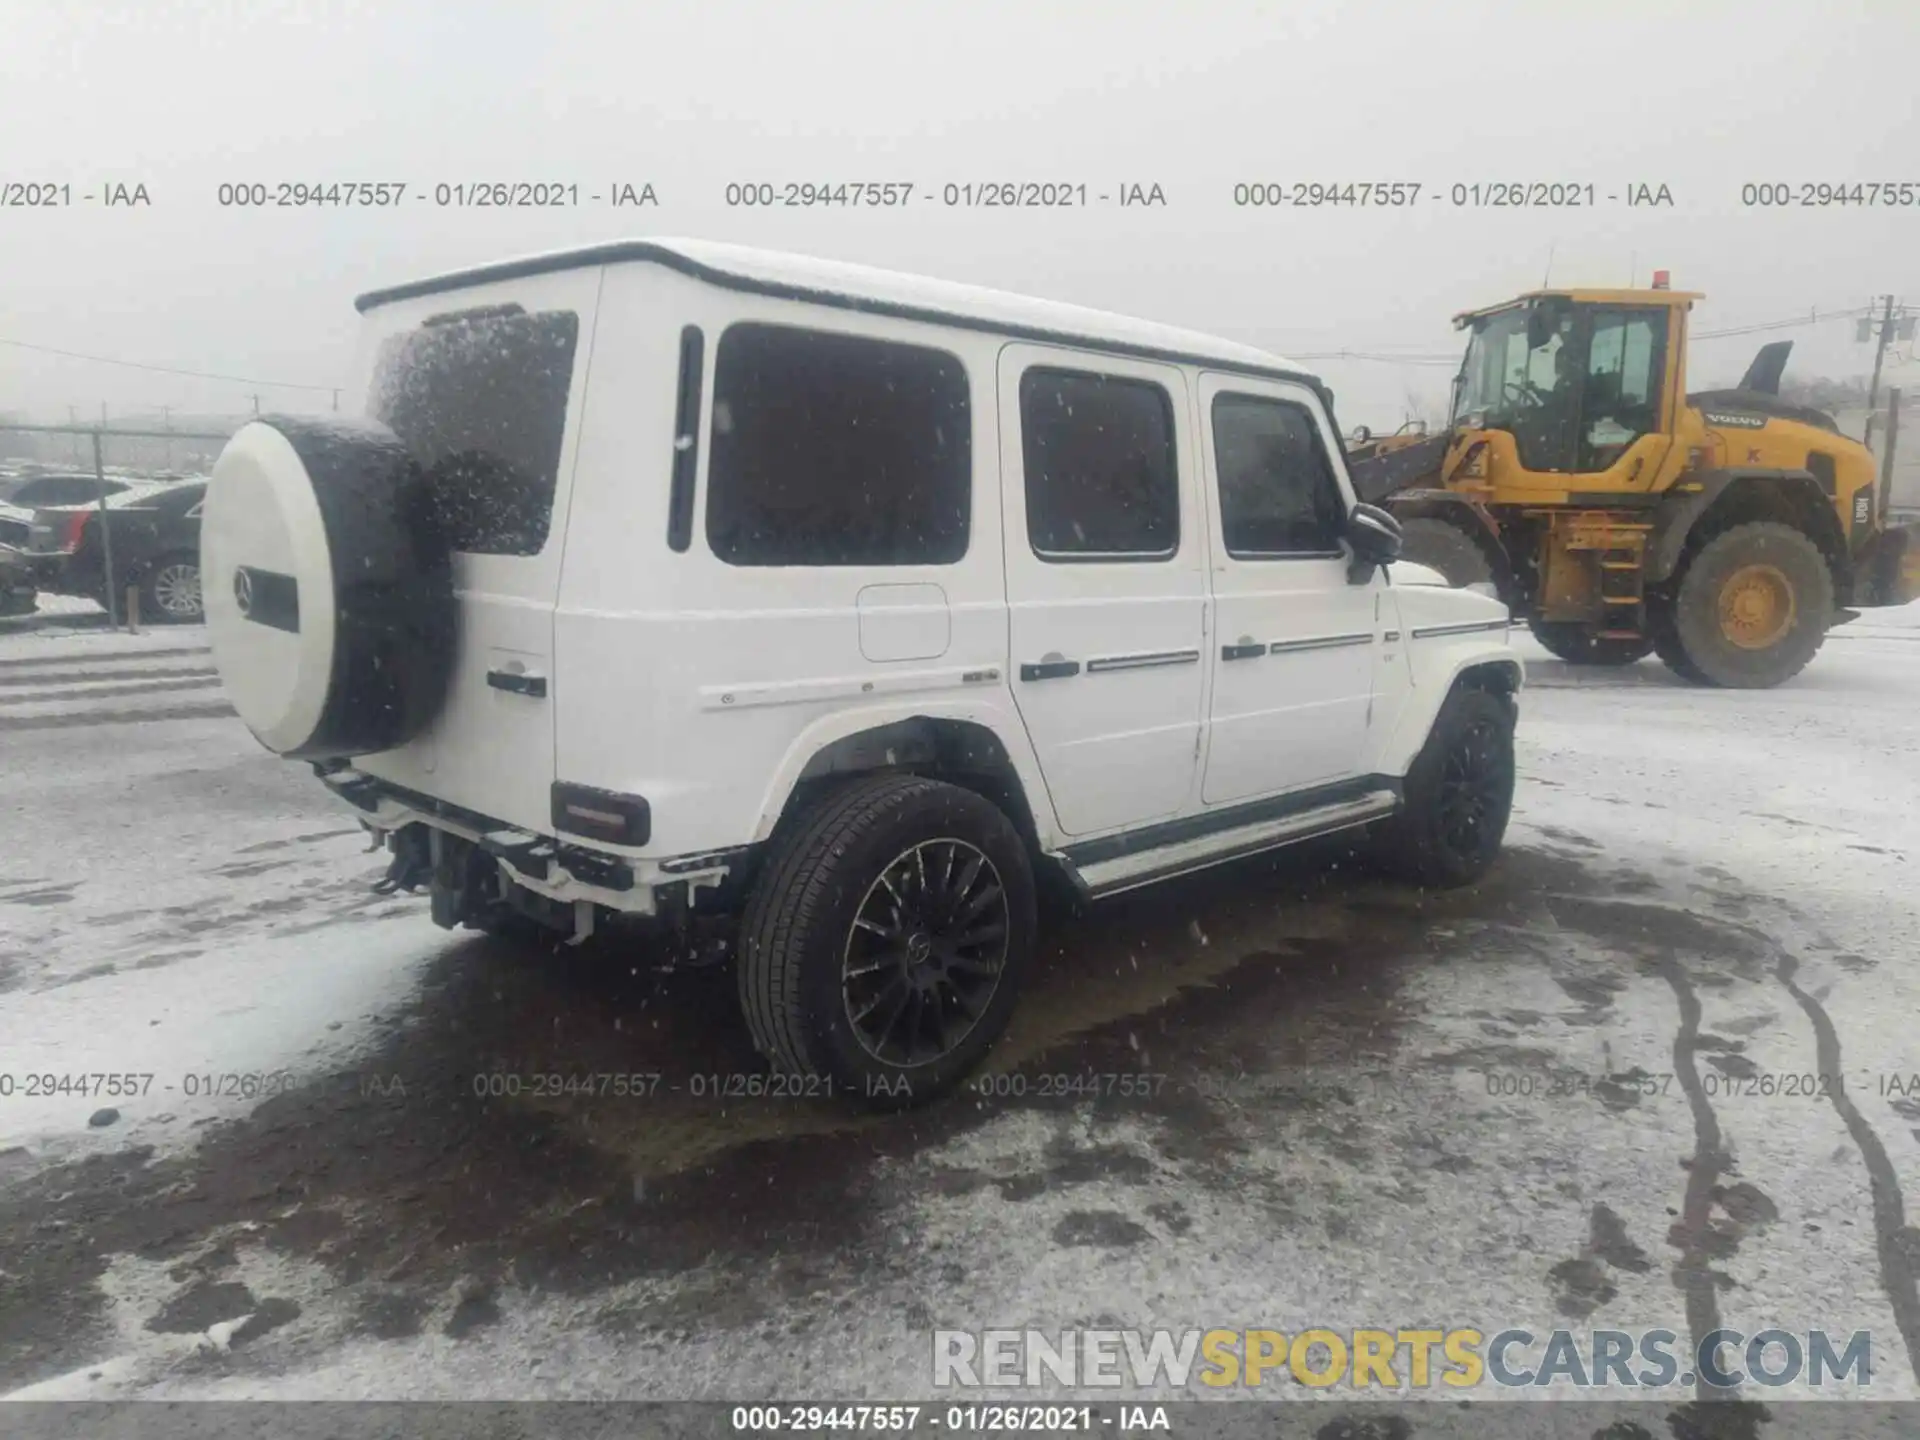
point(601, 814)
point(76, 526)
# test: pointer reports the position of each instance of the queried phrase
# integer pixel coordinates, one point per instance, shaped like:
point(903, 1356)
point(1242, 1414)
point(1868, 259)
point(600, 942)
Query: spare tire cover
point(328, 587)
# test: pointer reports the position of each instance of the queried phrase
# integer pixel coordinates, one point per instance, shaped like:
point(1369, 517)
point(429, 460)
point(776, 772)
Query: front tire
point(1751, 609)
point(886, 939)
point(1458, 795)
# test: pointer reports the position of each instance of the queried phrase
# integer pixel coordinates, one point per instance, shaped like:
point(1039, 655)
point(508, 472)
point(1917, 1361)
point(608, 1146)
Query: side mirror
point(1375, 537)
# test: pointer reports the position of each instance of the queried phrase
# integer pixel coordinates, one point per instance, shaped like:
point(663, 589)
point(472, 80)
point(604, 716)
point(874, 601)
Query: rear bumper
point(561, 870)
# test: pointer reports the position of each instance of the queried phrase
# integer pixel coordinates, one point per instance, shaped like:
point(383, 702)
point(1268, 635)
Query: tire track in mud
point(82, 718)
point(1896, 1244)
point(94, 690)
point(96, 676)
point(1693, 1272)
point(72, 658)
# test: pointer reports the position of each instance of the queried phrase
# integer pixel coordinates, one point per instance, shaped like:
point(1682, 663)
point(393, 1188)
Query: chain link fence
point(117, 458)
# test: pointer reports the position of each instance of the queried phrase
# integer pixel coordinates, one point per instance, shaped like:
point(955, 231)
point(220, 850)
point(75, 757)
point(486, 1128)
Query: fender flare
point(1431, 688)
point(1001, 721)
point(1681, 510)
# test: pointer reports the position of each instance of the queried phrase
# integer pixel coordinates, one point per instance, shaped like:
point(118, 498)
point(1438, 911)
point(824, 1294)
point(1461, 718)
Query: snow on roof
point(843, 283)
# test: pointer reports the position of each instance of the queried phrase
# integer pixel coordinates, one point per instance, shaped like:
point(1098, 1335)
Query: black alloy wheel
point(925, 952)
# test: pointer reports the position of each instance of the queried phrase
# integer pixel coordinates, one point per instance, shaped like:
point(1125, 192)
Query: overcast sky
point(183, 95)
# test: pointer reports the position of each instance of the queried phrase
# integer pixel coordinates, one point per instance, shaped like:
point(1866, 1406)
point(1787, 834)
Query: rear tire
point(1751, 608)
point(1576, 644)
point(886, 939)
point(1458, 795)
point(1447, 548)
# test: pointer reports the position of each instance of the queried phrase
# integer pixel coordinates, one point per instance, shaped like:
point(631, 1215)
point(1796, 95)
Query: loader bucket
point(1381, 470)
point(1889, 567)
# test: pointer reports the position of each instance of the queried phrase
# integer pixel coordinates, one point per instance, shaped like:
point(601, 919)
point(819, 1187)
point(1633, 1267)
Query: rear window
point(480, 401)
point(61, 490)
point(837, 450)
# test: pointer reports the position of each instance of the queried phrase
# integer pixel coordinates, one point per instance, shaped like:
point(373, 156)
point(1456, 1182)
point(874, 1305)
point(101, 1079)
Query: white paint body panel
point(1298, 715)
point(1118, 744)
point(707, 687)
point(491, 750)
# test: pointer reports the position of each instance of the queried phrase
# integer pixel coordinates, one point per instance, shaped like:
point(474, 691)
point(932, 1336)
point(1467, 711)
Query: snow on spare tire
point(328, 587)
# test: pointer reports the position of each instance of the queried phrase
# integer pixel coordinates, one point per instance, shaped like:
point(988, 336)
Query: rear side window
point(480, 401)
point(1277, 491)
point(837, 450)
point(1102, 478)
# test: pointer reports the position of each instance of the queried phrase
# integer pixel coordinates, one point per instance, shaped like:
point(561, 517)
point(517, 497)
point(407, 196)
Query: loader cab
point(1573, 391)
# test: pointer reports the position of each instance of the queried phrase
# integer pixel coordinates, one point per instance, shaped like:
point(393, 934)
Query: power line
point(165, 369)
point(1376, 355)
point(1812, 317)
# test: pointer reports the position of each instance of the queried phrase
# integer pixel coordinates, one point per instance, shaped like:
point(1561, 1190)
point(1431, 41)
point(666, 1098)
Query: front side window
point(832, 449)
point(1102, 474)
point(1278, 494)
point(480, 402)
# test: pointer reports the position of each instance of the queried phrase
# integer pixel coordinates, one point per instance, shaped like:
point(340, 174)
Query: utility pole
point(256, 404)
point(336, 399)
point(1894, 322)
point(166, 423)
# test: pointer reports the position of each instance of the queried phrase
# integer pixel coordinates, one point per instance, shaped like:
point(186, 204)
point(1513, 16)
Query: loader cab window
point(1524, 378)
point(1625, 362)
point(1575, 387)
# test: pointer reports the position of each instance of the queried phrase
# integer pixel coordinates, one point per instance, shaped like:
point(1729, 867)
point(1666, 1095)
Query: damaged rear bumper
point(489, 860)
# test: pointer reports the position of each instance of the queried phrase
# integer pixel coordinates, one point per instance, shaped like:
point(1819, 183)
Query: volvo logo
point(243, 590)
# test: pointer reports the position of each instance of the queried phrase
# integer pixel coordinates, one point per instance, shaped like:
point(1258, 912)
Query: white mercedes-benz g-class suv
point(838, 606)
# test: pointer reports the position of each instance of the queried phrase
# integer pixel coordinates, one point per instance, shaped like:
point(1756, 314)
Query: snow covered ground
point(1569, 1096)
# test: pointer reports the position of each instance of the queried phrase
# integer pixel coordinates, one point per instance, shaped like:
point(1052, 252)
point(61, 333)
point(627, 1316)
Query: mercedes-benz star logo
point(243, 590)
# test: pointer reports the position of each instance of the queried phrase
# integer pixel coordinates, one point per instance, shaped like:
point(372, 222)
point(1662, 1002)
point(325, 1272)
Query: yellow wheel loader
point(1618, 515)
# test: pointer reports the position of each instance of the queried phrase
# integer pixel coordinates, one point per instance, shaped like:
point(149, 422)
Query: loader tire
point(1447, 548)
point(1578, 645)
point(1666, 642)
point(1751, 608)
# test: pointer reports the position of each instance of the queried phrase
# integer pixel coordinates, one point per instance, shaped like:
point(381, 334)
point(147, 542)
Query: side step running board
point(1181, 857)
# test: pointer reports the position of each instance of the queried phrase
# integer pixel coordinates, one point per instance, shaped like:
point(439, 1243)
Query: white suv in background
point(683, 580)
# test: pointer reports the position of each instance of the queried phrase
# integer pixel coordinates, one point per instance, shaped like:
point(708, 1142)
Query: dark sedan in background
point(154, 535)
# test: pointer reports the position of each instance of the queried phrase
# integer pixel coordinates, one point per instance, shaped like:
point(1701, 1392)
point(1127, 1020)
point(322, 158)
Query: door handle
point(516, 683)
point(1246, 651)
point(1050, 670)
